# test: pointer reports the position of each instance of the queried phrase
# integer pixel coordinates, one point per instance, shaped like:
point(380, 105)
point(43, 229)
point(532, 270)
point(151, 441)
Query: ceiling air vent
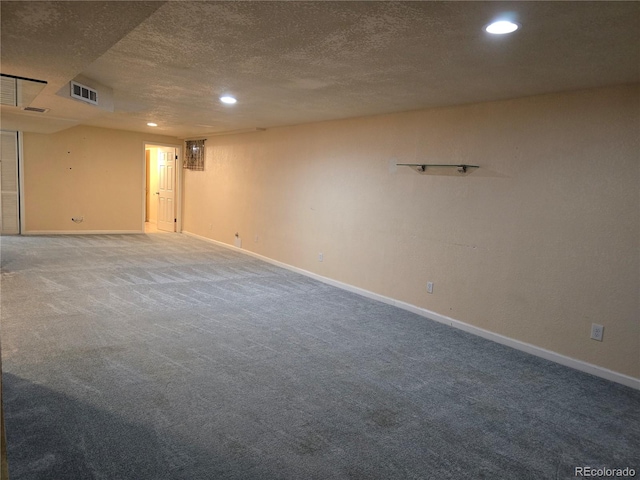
point(84, 93)
point(35, 109)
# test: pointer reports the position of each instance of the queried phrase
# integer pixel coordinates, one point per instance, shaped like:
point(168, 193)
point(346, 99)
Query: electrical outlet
point(257, 239)
point(321, 257)
point(597, 331)
point(429, 287)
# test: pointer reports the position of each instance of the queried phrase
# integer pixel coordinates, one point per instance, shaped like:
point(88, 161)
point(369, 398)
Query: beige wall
point(88, 172)
point(536, 245)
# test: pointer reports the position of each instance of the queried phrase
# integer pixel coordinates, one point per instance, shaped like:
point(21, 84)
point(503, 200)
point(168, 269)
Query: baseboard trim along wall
point(510, 342)
point(82, 232)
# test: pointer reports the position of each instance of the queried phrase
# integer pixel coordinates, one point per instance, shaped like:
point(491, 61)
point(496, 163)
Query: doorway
point(162, 188)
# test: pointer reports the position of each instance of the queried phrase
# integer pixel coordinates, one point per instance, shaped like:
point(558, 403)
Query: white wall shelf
point(462, 168)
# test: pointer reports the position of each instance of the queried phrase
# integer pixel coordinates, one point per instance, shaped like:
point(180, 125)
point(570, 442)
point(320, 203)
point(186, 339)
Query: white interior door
point(9, 206)
point(167, 190)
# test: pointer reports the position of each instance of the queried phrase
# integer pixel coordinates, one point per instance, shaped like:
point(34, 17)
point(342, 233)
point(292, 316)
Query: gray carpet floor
point(165, 357)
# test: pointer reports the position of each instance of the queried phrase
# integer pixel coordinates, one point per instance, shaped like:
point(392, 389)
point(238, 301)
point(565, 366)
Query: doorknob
point(157, 193)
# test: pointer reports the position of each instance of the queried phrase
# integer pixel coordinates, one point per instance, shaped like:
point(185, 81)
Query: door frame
point(21, 209)
point(178, 181)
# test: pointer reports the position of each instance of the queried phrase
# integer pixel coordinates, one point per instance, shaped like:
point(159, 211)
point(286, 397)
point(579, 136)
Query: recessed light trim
point(229, 100)
point(501, 27)
point(151, 124)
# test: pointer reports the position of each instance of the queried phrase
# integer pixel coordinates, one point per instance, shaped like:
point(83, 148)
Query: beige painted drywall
point(88, 172)
point(536, 245)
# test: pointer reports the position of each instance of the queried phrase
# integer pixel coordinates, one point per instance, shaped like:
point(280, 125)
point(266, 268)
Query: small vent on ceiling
point(35, 109)
point(84, 93)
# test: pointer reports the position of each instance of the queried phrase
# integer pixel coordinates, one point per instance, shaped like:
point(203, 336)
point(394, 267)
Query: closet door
point(9, 199)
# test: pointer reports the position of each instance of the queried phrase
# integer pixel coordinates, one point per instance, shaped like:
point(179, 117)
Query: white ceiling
point(298, 62)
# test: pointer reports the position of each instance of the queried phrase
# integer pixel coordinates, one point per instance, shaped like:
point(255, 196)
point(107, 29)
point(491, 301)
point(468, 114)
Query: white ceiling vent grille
point(84, 93)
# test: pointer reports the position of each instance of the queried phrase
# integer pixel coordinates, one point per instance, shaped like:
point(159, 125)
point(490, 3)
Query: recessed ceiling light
point(501, 27)
point(151, 124)
point(227, 99)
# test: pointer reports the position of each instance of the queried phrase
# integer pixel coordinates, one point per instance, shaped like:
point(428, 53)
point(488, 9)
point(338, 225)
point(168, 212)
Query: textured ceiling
point(297, 62)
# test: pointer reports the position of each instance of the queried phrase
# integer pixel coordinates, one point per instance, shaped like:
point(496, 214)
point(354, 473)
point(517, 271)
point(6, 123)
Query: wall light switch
point(321, 257)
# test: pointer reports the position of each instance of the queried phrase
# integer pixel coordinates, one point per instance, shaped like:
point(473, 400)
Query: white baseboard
point(495, 337)
point(82, 232)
